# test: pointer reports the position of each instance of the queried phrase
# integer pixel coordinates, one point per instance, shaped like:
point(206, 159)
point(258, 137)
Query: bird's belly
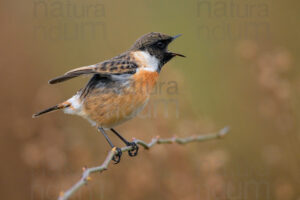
point(111, 109)
point(116, 102)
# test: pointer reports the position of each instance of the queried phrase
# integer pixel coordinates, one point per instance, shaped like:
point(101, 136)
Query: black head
point(156, 44)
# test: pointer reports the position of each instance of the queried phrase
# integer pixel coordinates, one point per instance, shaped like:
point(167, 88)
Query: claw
point(134, 151)
point(117, 156)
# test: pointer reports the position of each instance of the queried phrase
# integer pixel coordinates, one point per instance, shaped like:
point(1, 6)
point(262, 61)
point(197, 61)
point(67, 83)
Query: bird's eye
point(160, 45)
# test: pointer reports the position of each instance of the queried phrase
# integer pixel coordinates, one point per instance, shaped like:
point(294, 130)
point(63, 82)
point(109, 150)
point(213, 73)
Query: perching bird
point(120, 87)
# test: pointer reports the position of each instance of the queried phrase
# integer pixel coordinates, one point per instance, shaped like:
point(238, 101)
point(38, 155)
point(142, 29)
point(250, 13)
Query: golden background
point(241, 70)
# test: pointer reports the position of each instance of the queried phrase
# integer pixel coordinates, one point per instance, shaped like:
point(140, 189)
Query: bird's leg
point(135, 148)
point(117, 156)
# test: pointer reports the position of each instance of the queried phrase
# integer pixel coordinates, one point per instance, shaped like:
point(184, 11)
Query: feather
point(116, 66)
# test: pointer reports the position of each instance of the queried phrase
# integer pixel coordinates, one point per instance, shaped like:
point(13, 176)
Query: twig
point(87, 171)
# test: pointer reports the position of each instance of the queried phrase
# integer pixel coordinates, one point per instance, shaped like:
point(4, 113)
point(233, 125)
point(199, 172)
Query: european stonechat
point(120, 87)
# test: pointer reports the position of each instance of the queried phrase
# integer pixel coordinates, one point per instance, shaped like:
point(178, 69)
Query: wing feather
point(106, 68)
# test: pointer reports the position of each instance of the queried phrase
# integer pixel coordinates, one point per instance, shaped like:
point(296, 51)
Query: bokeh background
point(241, 70)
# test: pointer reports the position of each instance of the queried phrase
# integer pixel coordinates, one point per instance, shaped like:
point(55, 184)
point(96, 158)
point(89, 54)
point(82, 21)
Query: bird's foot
point(134, 151)
point(117, 156)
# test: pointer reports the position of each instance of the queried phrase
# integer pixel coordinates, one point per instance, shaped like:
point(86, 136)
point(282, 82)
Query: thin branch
point(87, 171)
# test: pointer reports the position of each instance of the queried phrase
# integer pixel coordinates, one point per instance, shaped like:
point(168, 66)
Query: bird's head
point(156, 44)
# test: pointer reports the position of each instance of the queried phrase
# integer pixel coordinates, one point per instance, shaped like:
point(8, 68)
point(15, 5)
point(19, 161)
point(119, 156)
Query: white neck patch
point(150, 63)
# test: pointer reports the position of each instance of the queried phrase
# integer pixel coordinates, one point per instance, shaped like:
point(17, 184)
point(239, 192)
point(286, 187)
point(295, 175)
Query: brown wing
point(106, 68)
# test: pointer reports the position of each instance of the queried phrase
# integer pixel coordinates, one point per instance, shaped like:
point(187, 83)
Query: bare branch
point(87, 171)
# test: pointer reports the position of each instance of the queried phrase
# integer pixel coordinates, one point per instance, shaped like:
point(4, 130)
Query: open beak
point(176, 36)
point(177, 54)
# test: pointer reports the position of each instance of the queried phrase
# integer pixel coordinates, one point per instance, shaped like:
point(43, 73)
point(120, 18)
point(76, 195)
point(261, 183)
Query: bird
point(119, 88)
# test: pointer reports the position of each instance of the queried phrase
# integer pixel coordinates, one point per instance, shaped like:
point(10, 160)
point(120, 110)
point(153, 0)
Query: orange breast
point(145, 81)
point(108, 108)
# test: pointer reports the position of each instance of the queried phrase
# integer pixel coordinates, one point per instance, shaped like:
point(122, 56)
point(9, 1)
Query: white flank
point(150, 62)
point(120, 77)
point(75, 107)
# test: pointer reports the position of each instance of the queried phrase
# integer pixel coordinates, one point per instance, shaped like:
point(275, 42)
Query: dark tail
point(56, 107)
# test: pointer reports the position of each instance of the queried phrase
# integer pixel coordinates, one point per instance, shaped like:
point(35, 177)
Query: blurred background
point(241, 70)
